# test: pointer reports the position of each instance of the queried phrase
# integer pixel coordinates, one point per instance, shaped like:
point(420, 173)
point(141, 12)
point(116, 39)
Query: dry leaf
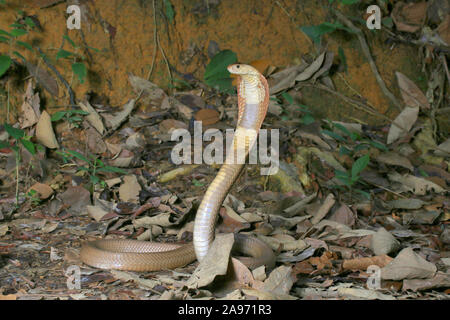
point(408, 265)
point(95, 141)
point(344, 215)
point(405, 120)
point(93, 117)
point(129, 189)
point(394, 159)
point(96, 212)
point(214, 263)
point(207, 116)
point(113, 122)
point(76, 198)
point(176, 172)
point(280, 281)
point(411, 94)
point(409, 17)
point(444, 30)
point(150, 92)
point(284, 79)
point(44, 131)
point(354, 293)
point(312, 68)
point(383, 242)
point(44, 78)
point(163, 219)
point(440, 280)
point(43, 191)
point(324, 209)
point(364, 263)
point(419, 186)
point(445, 146)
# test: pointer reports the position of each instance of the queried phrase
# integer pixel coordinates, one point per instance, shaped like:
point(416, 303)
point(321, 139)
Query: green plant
point(216, 74)
point(21, 27)
point(19, 137)
point(306, 118)
point(73, 116)
point(351, 177)
point(93, 166)
point(352, 141)
point(168, 11)
point(33, 196)
point(78, 68)
point(316, 32)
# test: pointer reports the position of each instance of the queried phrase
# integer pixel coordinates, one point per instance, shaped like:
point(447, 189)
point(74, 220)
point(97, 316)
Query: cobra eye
point(238, 66)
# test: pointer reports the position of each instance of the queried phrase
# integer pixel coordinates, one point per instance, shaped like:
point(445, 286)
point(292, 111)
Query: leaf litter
point(327, 215)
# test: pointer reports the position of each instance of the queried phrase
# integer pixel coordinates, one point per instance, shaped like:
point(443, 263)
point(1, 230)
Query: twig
point(69, 89)
point(155, 42)
point(366, 51)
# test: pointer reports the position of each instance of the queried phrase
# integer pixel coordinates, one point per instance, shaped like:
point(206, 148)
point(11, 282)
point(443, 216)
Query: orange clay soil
point(123, 31)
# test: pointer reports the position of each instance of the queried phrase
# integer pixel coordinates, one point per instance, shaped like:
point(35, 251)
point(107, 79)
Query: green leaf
point(365, 194)
point(5, 62)
point(3, 32)
point(16, 25)
point(170, 14)
point(24, 44)
point(316, 32)
point(216, 73)
point(341, 128)
point(95, 179)
point(78, 155)
point(58, 116)
point(197, 183)
point(361, 146)
point(343, 59)
point(378, 145)
point(75, 119)
point(4, 145)
point(29, 22)
point(82, 112)
point(333, 135)
point(63, 54)
point(80, 70)
point(92, 48)
point(4, 39)
point(18, 32)
point(348, 2)
point(387, 22)
point(19, 55)
point(112, 169)
point(359, 165)
point(29, 146)
point(307, 119)
point(14, 132)
point(66, 37)
point(288, 97)
point(344, 151)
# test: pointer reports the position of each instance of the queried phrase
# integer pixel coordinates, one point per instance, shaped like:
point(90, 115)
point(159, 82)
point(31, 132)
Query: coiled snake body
point(253, 100)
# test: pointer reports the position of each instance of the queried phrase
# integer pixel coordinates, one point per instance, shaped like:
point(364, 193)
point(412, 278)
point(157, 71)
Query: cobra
point(133, 255)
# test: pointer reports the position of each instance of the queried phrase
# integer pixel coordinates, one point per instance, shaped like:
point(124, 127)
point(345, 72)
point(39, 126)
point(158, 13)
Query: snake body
point(253, 100)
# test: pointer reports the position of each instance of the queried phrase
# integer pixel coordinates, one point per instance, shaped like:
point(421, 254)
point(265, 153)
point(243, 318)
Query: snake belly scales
point(133, 255)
